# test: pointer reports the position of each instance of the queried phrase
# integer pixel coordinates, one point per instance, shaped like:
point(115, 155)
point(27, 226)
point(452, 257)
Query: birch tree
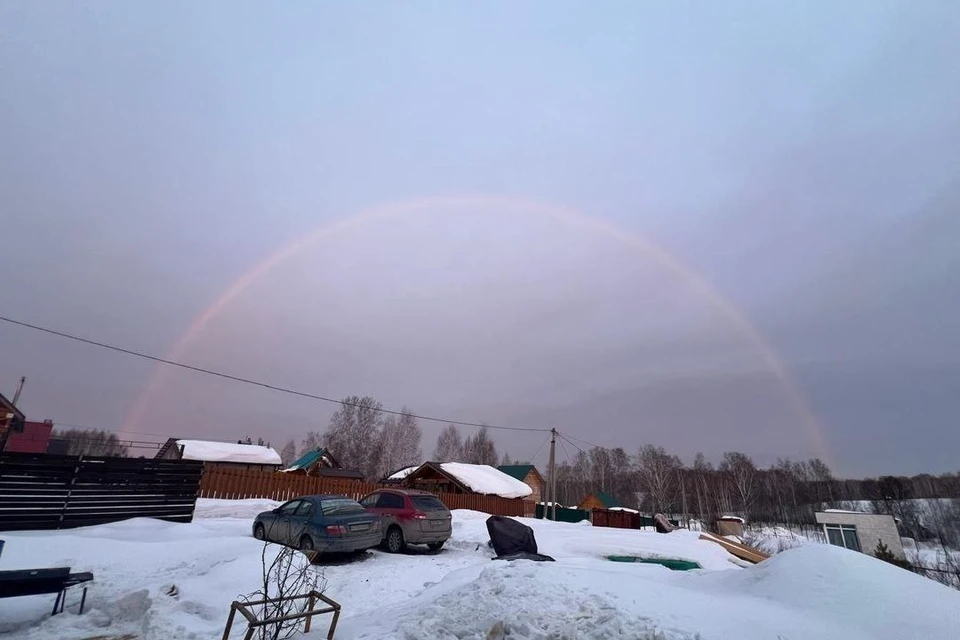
point(657, 474)
point(354, 432)
point(449, 445)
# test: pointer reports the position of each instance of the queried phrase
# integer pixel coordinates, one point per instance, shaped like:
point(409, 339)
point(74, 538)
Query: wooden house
point(11, 420)
point(221, 455)
point(320, 462)
point(527, 474)
point(459, 477)
point(598, 500)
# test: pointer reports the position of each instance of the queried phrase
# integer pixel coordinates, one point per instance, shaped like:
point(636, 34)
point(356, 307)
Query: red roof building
point(33, 439)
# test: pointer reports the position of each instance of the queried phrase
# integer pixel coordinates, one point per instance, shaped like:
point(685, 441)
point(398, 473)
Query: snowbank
point(772, 540)
point(817, 592)
point(484, 479)
point(228, 452)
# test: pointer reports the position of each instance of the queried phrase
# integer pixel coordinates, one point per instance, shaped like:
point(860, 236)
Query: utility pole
point(16, 396)
point(553, 474)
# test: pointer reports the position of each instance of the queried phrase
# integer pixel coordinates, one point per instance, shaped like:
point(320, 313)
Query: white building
point(861, 531)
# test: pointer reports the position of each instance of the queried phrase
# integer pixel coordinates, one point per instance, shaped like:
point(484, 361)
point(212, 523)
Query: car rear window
point(427, 503)
point(341, 506)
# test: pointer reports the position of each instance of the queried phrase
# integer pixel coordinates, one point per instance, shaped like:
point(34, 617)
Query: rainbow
point(699, 285)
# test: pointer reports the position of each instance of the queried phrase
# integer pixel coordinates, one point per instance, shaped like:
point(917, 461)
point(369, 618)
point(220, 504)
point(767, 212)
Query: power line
point(265, 385)
point(566, 454)
point(589, 444)
point(572, 443)
point(539, 449)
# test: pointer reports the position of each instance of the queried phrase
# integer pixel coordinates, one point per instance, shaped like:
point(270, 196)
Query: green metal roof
point(307, 459)
point(607, 500)
point(518, 471)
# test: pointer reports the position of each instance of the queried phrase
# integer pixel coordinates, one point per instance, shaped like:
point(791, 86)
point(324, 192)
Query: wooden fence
point(236, 484)
point(61, 492)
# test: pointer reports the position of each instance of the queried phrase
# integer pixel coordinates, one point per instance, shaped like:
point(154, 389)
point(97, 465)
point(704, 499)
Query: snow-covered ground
point(775, 538)
point(814, 591)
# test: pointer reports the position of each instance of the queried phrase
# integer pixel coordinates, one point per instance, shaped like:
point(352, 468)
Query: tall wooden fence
point(236, 484)
point(61, 492)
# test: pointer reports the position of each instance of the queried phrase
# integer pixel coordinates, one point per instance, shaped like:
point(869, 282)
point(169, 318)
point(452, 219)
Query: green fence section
point(563, 514)
point(647, 521)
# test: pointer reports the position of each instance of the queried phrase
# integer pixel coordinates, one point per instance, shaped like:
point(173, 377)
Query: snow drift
point(814, 592)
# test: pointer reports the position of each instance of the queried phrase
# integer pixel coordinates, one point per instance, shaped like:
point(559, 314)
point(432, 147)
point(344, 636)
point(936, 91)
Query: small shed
point(730, 526)
point(528, 475)
point(459, 477)
point(861, 531)
point(598, 500)
point(320, 462)
point(221, 455)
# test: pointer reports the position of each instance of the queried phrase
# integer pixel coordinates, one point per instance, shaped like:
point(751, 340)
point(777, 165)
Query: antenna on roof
point(16, 396)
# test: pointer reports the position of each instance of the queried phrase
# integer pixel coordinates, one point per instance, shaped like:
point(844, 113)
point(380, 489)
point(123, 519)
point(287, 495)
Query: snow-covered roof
point(864, 513)
point(228, 452)
point(403, 473)
point(482, 478)
point(735, 518)
point(627, 509)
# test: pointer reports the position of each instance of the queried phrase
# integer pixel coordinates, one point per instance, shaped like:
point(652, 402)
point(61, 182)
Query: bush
point(882, 552)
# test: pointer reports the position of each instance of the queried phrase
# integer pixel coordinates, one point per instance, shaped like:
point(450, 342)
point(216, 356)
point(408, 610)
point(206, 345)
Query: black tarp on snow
point(512, 540)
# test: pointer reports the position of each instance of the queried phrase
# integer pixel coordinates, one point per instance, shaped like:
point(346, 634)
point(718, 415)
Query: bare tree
point(601, 468)
point(657, 471)
point(353, 433)
point(310, 443)
point(288, 454)
point(399, 443)
point(286, 572)
point(624, 480)
point(740, 470)
point(581, 476)
point(449, 445)
point(90, 442)
point(479, 448)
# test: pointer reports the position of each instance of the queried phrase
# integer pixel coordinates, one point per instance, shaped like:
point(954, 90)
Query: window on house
point(843, 535)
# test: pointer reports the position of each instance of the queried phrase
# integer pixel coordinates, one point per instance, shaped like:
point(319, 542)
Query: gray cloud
point(802, 159)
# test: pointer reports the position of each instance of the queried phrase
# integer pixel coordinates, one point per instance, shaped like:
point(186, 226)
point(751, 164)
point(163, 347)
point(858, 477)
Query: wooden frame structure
point(253, 623)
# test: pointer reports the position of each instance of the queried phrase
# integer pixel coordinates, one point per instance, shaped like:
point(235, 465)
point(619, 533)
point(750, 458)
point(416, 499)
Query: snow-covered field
point(813, 591)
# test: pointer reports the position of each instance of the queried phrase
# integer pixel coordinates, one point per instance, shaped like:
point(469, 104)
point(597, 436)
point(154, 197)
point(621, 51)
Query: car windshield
point(427, 503)
point(340, 506)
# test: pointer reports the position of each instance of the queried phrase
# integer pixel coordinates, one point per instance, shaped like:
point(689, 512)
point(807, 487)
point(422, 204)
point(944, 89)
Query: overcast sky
point(802, 160)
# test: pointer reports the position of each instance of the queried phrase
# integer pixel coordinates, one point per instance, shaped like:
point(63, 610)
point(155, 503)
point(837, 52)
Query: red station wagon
point(409, 517)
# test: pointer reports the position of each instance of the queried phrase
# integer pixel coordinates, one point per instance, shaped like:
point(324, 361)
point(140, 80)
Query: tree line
point(788, 491)
point(90, 442)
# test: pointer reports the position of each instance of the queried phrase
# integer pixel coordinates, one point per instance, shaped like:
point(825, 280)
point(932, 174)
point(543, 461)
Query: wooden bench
point(32, 582)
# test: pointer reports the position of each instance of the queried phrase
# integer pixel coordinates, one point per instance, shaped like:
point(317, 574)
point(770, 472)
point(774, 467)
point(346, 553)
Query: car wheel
point(258, 532)
point(306, 543)
point(395, 543)
point(435, 546)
